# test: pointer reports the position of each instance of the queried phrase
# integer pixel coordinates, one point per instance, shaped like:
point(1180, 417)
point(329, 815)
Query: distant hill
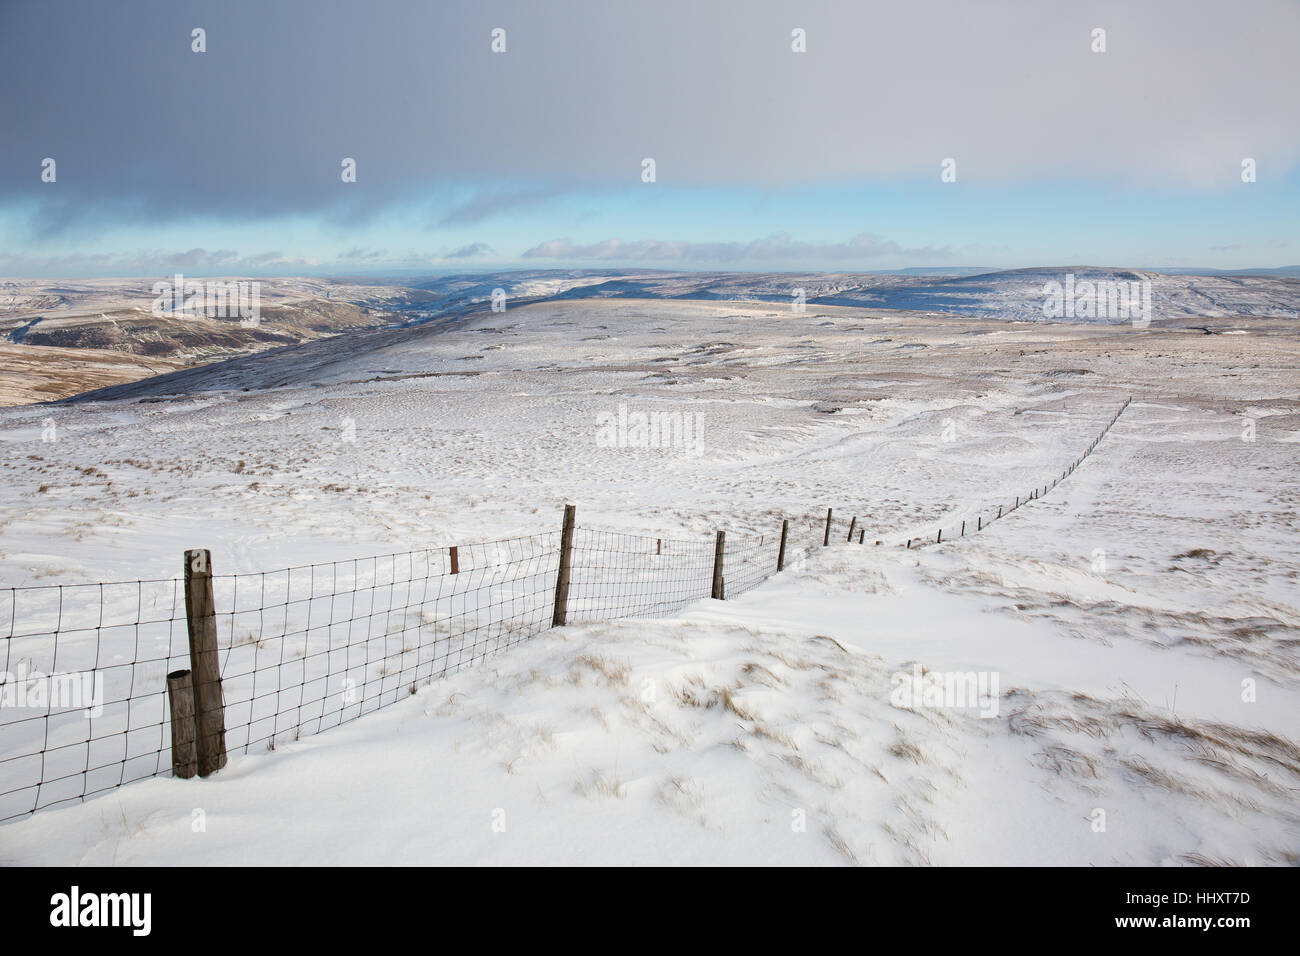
point(40, 320)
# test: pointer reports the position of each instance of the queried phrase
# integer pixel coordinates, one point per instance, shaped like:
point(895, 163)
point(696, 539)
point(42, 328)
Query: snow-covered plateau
point(1135, 632)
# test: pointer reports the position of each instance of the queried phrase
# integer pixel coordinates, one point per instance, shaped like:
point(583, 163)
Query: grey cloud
point(487, 203)
point(144, 129)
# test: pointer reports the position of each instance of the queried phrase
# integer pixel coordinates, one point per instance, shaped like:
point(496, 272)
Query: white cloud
point(142, 262)
point(779, 247)
point(471, 251)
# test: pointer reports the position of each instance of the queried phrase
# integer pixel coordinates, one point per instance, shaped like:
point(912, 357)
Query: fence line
point(303, 649)
point(982, 520)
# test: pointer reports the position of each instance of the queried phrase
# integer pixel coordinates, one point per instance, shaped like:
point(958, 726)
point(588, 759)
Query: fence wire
point(626, 575)
point(84, 688)
point(987, 515)
point(305, 649)
point(747, 562)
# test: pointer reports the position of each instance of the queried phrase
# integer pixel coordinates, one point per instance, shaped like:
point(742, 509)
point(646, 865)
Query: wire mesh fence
point(627, 575)
point(308, 648)
point(748, 562)
point(303, 649)
point(83, 688)
point(981, 519)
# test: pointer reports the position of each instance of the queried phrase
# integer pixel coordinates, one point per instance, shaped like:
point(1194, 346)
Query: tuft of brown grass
point(600, 784)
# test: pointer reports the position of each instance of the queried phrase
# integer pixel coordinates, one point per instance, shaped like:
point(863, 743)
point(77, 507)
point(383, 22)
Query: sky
point(533, 155)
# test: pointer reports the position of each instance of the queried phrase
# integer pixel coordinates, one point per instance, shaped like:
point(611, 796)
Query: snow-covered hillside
point(1121, 614)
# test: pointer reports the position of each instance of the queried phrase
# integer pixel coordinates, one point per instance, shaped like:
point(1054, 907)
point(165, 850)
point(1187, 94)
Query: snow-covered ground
point(1119, 615)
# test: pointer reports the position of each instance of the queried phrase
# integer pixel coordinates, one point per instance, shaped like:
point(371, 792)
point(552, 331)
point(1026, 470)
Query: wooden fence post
point(862, 533)
point(719, 545)
point(780, 554)
point(939, 540)
point(852, 527)
point(205, 666)
point(185, 751)
point(561, 611)
point(455, 560)
point(826, 538)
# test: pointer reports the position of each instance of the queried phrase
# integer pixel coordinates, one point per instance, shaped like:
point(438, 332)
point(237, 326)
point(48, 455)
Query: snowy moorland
point(1138, 627)
point(61, 338)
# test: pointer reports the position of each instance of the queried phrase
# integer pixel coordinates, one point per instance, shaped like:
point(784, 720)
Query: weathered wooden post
point(939, 539)
point(979, 522)
point(455, 560)
point(719, 545)
point(862, 533)
point(205, 666)
point(826, 538)
point(561, 611)
point(963, 528)
point(780, 554)
point(185, 751)
point(852, 526)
